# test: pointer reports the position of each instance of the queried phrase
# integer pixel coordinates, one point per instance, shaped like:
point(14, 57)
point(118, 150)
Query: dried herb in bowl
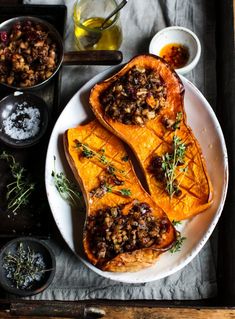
point(25, 267)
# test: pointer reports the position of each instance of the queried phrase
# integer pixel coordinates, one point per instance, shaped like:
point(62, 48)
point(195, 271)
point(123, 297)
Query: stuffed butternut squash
point(125, 229)
point(143, 105)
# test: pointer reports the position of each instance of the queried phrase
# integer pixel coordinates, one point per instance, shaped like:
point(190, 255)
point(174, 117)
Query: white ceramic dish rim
point(134, 277)
point(193, 63)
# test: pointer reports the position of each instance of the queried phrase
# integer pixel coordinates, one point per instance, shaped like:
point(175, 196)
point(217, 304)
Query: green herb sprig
point(18, 191)
point(178, 244)
point(107, 188)
point(176, 222)
point(170, 163)
point(178, 119)
point(125, 192)
point(67, 189)
point(24, 267)
point(89, 153)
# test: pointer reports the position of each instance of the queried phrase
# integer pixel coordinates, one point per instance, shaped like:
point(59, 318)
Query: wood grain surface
point(147, 313)
point(226, 252)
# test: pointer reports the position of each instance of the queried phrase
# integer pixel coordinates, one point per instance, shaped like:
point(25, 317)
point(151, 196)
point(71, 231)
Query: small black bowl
point(18, 110)
point(52, 33)
point(37, 246)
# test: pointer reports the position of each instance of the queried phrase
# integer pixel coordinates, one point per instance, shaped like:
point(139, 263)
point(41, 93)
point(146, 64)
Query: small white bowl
point(181, 36)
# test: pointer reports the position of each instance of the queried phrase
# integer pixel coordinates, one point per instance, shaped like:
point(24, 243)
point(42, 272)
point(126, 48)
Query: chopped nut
point(112, 232)
point(26, 50)
point(136, 97)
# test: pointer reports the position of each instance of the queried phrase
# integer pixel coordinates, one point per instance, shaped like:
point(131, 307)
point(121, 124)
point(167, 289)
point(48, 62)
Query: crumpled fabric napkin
point(140, 21)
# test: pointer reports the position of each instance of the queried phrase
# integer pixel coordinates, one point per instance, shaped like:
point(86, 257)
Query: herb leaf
point(88, 152)
point(178, 244)
point(67, 189)
point(176, 222)
point(170, 163)
point(178, 119)
point(125, 192)
point(18, 191)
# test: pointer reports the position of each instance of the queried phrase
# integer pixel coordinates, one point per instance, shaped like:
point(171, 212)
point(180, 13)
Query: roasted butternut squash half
point(143, 105)
point(125, 229)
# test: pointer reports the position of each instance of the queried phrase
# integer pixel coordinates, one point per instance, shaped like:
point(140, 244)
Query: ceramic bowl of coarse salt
point(23, 119)
point(178, 46)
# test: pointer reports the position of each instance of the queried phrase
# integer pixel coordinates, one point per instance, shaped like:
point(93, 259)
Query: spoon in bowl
point(94, 36)
point(118, 8)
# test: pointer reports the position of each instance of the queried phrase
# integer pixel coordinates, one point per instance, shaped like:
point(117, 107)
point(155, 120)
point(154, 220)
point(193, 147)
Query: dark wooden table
point(221, 307)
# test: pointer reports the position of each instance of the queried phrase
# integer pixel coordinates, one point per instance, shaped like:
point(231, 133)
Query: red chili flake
point(175, 54)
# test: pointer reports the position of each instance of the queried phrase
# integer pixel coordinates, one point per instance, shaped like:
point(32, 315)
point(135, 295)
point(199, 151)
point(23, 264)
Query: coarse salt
point(23, 123)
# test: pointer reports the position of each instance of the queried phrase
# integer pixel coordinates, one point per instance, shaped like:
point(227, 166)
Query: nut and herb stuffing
point(136, 97)
point(111, 232)
point(28, 55)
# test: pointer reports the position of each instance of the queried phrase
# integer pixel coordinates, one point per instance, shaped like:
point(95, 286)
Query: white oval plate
point(197, 230)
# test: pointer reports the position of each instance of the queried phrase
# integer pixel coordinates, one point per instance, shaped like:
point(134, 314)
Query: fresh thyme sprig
point(89, 153)
point(67, 189)
point(18, 191)
point(24, 267)
point(170, 163)
point(178, 244)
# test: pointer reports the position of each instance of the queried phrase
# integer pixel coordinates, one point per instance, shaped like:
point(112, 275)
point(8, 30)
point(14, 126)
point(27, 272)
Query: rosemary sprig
point(24, 267)
point(89, 153)
point(67, 189)
point(170, 163)
point(18, 191)
point(178, 244)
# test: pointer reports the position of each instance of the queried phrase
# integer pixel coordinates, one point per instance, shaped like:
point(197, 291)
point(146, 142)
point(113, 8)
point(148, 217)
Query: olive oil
point(90, 36)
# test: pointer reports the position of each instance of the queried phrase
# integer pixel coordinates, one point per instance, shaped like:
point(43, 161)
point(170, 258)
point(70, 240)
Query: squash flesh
point(155, 139)
point(88, 171)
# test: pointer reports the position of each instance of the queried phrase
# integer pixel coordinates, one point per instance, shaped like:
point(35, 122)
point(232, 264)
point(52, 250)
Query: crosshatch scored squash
point(143, 105)
point(125, 229)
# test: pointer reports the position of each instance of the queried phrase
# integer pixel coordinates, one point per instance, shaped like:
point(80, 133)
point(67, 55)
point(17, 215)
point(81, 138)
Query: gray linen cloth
point(141, 19)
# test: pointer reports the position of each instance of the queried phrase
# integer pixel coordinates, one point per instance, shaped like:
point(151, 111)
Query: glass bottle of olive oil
point(87, 29)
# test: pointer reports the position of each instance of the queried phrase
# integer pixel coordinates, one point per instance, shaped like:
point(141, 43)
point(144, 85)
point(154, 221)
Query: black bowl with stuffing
point(31, 52)
point(27, 266)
